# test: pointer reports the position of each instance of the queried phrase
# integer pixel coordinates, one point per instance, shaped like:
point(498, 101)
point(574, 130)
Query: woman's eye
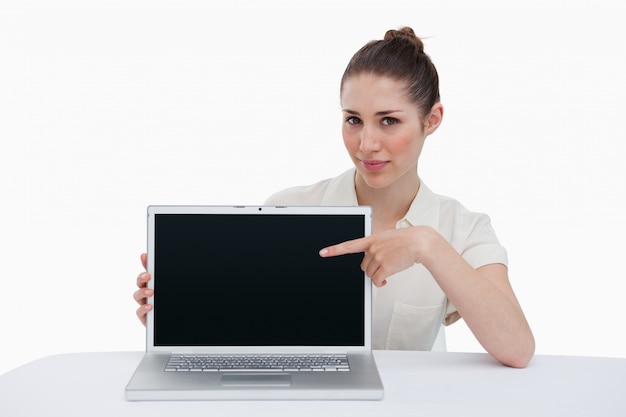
point(389, 121)
point(353, 120)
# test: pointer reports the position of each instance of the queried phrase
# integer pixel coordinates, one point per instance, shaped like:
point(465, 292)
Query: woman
point(431, 260)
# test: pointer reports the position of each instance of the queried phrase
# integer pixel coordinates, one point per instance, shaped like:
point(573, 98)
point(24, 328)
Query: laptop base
point(151, 383)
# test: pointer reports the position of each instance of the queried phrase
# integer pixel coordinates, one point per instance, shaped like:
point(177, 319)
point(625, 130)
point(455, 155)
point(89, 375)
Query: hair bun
point(405, 33)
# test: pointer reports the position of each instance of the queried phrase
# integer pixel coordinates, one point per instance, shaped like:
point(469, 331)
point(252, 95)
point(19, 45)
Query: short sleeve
point(472, 235)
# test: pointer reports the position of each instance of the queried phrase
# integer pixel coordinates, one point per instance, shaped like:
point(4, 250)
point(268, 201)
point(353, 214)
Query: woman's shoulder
point(320, 193)
point(469, 232)
point(452, 210)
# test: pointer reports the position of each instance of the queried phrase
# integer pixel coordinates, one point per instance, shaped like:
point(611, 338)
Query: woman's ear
point(434, 119)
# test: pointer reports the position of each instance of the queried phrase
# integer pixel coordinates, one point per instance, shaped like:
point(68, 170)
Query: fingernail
point(324, 252)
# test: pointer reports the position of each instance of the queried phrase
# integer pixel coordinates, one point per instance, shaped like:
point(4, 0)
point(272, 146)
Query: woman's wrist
point(425, 240)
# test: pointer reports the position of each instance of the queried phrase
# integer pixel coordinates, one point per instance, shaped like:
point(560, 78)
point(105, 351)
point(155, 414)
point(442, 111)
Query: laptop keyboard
point(258, 363)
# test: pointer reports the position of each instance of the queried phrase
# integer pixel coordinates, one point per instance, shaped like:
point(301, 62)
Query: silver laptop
point(246, 309)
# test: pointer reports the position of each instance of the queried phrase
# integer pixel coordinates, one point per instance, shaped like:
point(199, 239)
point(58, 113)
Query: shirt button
point(403, 224)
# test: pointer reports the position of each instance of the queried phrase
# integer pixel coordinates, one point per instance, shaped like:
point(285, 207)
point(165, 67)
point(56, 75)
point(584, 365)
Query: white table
point(416, 384)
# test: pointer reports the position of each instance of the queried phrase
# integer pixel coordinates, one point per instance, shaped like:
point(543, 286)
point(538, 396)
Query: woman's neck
point(389, 204)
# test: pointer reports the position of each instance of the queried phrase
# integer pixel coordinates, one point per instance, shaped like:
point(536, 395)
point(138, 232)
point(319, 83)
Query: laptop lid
point(242, 279)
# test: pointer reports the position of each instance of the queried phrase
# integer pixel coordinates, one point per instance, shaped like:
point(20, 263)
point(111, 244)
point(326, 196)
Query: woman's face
point(382, 130)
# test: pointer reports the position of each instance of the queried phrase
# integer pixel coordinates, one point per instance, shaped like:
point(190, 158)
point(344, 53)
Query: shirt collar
point(424, 209)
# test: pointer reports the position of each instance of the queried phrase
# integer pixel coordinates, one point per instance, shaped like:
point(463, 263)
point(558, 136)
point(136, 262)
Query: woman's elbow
point(520, 357)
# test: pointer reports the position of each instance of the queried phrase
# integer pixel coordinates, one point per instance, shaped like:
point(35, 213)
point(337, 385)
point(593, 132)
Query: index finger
point(344, 248)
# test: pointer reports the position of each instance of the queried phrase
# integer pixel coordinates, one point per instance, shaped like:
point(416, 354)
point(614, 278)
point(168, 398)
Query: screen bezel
point(363, 211)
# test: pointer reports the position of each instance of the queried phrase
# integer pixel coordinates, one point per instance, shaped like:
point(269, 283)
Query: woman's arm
point(483, 296)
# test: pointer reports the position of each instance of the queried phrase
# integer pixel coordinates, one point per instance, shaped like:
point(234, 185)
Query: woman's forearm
point(483, 297)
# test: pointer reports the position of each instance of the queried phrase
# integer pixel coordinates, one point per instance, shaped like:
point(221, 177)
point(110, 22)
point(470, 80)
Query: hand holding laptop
point(143, 293)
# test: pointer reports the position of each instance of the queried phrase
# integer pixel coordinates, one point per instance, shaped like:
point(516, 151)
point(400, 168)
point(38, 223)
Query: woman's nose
point(369, 141)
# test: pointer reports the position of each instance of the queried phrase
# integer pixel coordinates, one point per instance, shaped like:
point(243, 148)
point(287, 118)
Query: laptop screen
point(257, 280)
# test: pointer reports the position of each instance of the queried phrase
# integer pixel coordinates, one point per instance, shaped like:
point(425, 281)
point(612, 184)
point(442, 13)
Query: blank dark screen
point(256, 280)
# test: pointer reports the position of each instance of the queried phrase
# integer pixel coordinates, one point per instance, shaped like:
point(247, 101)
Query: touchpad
point(255, 380)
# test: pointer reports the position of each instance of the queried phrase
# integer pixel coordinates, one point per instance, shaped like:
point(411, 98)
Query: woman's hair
point(400, 56)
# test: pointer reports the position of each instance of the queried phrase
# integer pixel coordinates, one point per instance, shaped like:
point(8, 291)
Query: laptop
point(246, 309)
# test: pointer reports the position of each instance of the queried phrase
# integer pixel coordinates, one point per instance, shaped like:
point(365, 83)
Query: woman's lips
point(374, 165)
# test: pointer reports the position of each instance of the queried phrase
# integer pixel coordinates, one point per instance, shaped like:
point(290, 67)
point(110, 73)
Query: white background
point(106, 107)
